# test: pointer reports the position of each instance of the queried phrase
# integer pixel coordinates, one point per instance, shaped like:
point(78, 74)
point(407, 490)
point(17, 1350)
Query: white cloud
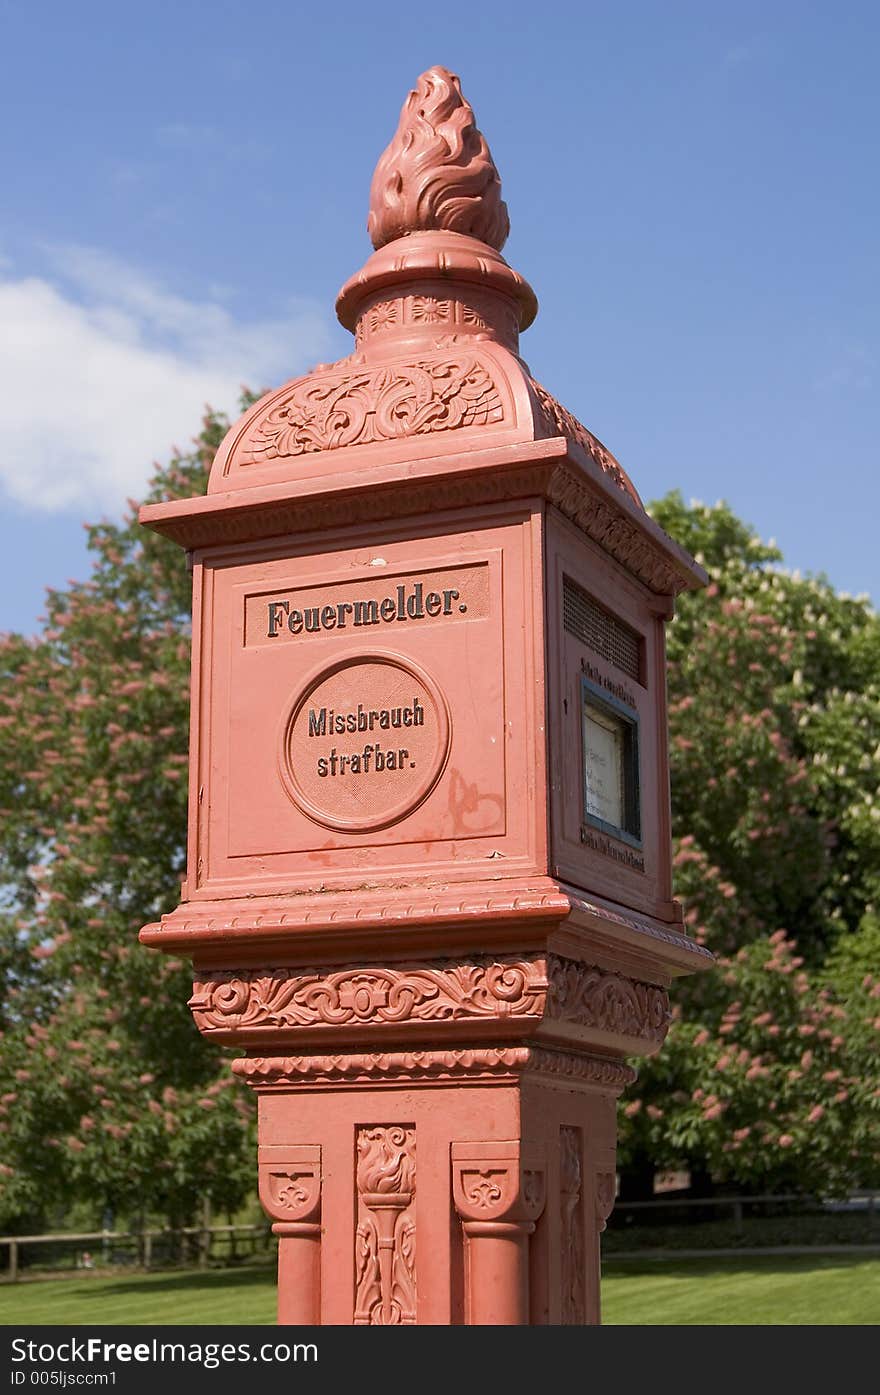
point(103, 371)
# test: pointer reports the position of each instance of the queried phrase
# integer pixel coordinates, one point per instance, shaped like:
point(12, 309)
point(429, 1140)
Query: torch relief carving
point(385, 1241)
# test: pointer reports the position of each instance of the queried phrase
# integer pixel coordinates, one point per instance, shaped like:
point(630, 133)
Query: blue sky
point(693, 194)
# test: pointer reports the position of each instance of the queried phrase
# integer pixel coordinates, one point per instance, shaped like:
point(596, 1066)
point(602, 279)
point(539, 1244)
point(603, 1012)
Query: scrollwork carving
point(556, 990)
point(484, 1189)
point(308, 998)
point(328, 411)
point(606, 1001)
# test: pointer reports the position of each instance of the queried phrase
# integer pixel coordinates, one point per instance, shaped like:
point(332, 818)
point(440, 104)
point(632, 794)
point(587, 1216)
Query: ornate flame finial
point(437, 173)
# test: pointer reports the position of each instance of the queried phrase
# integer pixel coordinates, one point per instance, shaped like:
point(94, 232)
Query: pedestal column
point(499, 1193)
point(290, 1192)
point(429, 881)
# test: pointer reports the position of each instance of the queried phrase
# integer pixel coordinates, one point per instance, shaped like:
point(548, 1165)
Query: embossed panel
point(366, 708)
point(342, 755)
point(370, 608)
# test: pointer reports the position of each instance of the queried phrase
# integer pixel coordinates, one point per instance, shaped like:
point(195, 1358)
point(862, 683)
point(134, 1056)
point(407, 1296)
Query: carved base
point(438, 1187)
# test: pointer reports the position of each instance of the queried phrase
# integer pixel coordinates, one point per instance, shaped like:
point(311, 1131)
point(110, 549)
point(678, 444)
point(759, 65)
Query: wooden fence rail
point(737, 1208)
point(142, 1242)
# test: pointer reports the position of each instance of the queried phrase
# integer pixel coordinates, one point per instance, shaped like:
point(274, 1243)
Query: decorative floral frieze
point(611, 529)
point(601, 1072)
point(470, 315)
point(553, 990)
point(385, 315)
point(327, 411)
point(448, 991)
point(464, 309)
point(385, 1240)
point(590, 997)
point(428, 310)
point(468, 1063)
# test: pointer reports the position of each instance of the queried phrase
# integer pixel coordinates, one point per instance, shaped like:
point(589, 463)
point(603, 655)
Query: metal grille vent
point(603, 632)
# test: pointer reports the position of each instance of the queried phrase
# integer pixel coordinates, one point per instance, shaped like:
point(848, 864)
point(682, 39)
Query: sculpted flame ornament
point(437, 172)
point(385, 1240)
point(386, 1161)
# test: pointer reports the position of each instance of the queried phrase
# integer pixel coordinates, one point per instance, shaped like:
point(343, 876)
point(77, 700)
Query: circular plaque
point(364, 742)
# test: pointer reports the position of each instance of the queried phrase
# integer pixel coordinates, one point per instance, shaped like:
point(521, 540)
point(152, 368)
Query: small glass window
point(611, 765)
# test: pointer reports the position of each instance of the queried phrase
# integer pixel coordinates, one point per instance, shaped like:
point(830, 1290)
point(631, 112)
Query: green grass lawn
point(821, 1290)
point(242, 1296)
point(782, 1290)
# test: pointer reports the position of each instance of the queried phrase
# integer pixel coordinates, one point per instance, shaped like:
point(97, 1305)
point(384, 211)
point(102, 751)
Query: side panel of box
point(609, 800)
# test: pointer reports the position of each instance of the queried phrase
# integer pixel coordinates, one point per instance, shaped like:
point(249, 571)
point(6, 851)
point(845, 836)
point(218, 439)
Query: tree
point(107, 1093)
point(769, 1074)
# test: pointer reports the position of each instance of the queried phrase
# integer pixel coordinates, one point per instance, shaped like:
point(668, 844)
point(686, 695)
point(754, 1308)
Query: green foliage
point(769, 1075)
point(106, 1091)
